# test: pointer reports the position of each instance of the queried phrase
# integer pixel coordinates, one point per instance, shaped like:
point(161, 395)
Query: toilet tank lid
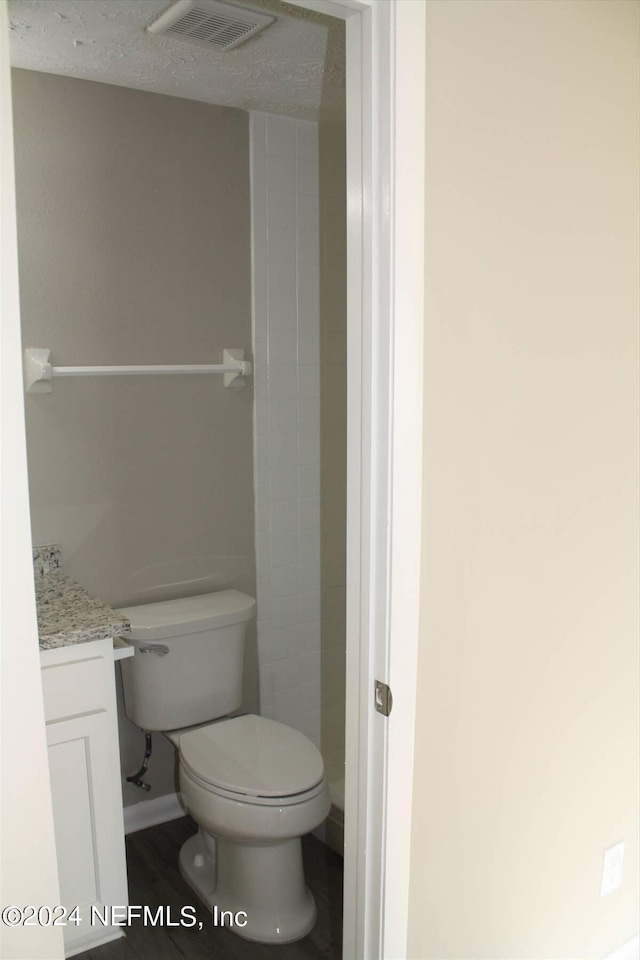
point(176, 618)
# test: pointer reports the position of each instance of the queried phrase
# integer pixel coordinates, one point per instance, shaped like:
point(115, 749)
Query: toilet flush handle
point(160, 649)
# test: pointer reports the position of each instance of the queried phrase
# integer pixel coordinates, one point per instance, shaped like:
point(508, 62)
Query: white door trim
point(406, 461)
point(385, 289)
point(628, 951)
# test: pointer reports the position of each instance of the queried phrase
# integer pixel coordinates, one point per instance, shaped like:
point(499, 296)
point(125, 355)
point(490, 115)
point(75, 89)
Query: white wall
point(285, 243)
point(28, 868)
point(526, 760)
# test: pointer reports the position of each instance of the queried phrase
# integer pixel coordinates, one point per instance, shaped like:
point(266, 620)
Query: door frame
point(385, 291)
point(385, 52)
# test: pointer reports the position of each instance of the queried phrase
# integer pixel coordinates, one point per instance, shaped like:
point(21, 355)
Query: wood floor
point(154, 880)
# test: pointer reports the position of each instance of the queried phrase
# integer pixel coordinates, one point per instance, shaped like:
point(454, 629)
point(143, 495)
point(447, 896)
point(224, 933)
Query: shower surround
point(286, 316)
point(299, 311)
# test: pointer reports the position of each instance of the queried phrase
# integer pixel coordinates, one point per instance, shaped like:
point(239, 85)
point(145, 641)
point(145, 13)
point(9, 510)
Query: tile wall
point(333, 444)
point(286, 331)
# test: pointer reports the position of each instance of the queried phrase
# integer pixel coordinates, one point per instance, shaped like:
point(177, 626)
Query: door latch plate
point(383, 700)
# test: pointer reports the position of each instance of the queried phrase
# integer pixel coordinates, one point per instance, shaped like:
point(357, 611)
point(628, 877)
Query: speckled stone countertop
point(67, 613)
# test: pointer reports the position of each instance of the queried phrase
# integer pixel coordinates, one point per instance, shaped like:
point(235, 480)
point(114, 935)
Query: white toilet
point(252, 785)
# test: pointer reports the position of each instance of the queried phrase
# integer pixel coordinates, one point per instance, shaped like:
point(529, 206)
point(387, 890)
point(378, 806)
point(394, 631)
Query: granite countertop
point(67, 613)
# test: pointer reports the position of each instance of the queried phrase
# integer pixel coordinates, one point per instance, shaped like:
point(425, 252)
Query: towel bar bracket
point(39, 372)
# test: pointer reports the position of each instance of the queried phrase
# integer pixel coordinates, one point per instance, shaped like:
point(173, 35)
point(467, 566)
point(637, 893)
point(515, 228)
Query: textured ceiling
point(279, 71)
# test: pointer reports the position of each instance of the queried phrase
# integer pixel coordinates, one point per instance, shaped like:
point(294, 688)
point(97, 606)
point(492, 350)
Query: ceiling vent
point(210, 23)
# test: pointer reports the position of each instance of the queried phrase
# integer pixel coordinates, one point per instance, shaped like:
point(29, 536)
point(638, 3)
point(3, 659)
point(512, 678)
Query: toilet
point(253, 786)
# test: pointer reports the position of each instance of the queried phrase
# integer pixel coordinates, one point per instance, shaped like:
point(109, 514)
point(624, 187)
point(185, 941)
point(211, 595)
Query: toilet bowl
point(253, 786)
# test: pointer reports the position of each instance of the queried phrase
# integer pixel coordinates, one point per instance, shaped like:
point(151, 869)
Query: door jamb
point(385, 49)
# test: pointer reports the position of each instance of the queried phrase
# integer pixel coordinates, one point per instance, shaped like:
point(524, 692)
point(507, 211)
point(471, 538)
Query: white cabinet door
point(89, 836)
point(84, 770)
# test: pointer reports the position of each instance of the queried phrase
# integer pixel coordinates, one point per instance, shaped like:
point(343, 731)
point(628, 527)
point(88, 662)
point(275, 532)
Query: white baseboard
point(148, 813)
point(331, 830)
point(107, 936)
point(628, 951)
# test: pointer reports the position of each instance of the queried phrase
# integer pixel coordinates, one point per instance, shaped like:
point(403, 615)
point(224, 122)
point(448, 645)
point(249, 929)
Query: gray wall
point(134, 247)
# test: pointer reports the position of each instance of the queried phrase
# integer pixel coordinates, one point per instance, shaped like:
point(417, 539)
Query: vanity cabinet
point(78, 685)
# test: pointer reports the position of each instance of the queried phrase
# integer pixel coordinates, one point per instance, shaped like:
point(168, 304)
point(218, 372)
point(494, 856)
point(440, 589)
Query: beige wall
point(134, 247)
point(526, 763)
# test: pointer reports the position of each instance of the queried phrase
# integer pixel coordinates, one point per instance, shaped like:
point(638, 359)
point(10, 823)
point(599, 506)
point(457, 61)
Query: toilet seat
point(288, 801)
point(253, 760)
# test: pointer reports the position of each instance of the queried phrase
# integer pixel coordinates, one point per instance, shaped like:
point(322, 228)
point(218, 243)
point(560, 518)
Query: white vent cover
point(210, 23)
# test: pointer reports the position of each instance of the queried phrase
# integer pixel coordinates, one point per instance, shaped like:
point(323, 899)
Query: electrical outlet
point(612, 869)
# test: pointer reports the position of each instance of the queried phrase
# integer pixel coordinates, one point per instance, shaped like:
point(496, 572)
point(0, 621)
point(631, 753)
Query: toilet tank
point(189, 657)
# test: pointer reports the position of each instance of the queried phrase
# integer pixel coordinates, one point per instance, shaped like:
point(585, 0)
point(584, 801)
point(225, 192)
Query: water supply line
point(136, 778)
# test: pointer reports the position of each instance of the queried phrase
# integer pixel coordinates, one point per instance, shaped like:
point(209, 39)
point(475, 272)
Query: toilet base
point(256, 891)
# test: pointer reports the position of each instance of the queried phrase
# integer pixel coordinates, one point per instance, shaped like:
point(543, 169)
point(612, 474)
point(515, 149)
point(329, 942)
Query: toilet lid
point(253, 756)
